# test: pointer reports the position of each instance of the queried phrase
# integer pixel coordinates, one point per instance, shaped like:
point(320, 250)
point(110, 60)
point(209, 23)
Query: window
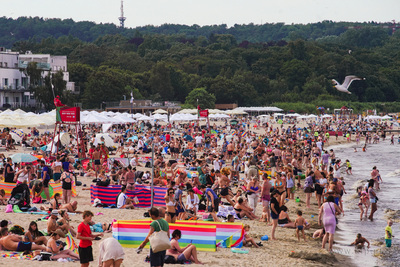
point(5, 65)
point(6, 82)
point(6, 100)
point(16, 83)
point(24, 82)
point(1, 64)
point(17, 99)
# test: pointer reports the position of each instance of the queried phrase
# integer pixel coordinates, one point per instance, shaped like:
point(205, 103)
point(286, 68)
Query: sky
point(206, 12)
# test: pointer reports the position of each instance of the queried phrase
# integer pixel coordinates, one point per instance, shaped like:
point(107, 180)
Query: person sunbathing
point(182, 254)
point(58, 250)
point(64, 221)
point(54, 204)
point(71, 207)
point(33, 235)
point(15, 243)
point(243, 210)
point(53, 225)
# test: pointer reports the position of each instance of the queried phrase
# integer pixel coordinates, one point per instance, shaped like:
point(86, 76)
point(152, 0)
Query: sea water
point(386, 158)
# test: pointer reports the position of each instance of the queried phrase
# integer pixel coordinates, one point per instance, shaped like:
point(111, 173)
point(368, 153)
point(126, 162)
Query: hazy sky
point(206, 12)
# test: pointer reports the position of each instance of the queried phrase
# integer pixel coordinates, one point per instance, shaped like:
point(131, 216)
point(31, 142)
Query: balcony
point(23, 64)
point(13, 88)
point(15, 105)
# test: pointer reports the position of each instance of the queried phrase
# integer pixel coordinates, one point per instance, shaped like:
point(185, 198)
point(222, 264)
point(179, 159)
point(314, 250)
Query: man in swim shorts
point(13, 242)
point(96, 161)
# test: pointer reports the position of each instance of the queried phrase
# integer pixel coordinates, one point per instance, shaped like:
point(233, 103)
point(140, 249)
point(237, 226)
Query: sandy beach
point(286, 251)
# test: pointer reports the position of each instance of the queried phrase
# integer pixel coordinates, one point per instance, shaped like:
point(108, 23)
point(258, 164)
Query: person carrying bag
point(159, 239)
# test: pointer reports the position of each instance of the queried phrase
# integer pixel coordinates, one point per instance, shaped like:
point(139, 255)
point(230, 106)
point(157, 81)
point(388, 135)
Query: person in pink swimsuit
point(328, 211)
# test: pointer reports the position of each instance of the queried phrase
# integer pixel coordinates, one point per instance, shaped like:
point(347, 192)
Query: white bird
point(346, 84)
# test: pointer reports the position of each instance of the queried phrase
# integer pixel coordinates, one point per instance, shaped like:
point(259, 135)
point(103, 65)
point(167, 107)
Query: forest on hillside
point(250, 65)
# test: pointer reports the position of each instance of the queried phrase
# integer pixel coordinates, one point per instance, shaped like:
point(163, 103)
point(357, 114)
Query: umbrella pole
point(152, 173)
point(54, 134)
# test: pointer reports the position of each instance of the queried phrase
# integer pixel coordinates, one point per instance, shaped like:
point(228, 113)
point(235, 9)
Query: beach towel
point(16, 255)
point(71, 245)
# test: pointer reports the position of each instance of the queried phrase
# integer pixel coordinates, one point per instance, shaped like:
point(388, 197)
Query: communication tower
point(122, 18)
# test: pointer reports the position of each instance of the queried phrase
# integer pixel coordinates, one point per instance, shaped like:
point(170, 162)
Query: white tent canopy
point(326, 116)
point(218, 116)
point(292, 115)
point(182, 117)
point(236, 111)
point(261, 109)
point(160, 111)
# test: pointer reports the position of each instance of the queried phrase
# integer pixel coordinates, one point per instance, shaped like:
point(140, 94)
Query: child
point(249, 240)
point(359, 242)
point(86, 237)
point(300, 223)
point(3, 199)
point(348, 170)
point(388, 234)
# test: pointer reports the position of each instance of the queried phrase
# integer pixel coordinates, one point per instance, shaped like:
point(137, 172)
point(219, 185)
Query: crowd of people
point(234, 166)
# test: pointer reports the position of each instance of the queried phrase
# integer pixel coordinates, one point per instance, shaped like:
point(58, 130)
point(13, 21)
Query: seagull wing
point(349, 79)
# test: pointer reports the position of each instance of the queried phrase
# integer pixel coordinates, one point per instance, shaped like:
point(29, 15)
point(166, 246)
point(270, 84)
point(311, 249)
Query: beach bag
point(159, 241)
point(9, 208)
point(169, 259)
point(45, 256)
point(37, 199)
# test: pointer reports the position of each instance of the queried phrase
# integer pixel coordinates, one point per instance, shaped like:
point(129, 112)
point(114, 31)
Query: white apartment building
point(14, 84)
point(14, 91)
point(48, 62)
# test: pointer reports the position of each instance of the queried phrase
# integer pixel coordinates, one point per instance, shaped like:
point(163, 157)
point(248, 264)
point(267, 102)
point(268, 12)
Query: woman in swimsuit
point(66, 180)
point(57, 250)
point(284, 220)
point(170, 214)
point(243, 210)
point(64, 220)
point(33, 235)
point(280, 185)
point(57, 169)
point(182, 255)
point(253, 190)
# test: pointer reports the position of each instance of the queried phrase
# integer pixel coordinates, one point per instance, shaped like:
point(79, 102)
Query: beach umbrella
point(108, 141)
point(160, 111)
point(133, 138)
point(22, 157)
point(188, 138)
point(17, 135)
point(144, 118)
point(64, 138)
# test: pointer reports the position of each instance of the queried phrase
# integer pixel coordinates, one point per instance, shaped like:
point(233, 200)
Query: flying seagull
point(346, 84)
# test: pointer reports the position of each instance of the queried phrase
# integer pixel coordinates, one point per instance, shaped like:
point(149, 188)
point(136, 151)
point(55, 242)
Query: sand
point(286, 251)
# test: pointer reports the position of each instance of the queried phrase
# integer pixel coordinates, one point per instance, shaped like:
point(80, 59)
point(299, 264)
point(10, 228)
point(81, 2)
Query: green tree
point(200, 96)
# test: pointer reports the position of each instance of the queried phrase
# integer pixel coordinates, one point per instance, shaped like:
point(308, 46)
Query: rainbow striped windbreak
point(204, 235)
point(8, 187)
